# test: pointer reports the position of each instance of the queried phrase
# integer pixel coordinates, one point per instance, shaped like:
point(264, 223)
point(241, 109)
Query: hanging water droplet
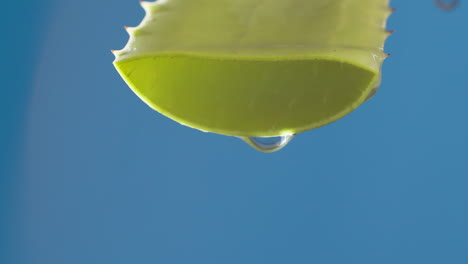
point(268, 144)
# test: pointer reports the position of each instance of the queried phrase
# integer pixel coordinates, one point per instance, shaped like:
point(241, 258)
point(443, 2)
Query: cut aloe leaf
point(256, 68)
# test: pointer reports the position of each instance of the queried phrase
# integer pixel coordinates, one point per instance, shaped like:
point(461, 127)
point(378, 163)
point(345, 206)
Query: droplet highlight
point(268, 144)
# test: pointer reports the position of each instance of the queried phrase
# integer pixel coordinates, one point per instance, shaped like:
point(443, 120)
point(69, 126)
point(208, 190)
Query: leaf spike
point(144, 3)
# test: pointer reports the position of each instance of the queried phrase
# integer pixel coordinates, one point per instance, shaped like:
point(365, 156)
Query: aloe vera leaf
point(256, 68)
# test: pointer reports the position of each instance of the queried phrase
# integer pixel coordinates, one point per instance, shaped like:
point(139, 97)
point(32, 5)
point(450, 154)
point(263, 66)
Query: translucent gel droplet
point(268, 144)
point(375, 88)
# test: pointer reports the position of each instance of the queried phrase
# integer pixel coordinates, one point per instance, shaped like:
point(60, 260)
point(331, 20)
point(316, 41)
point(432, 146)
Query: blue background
point(90, 174)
